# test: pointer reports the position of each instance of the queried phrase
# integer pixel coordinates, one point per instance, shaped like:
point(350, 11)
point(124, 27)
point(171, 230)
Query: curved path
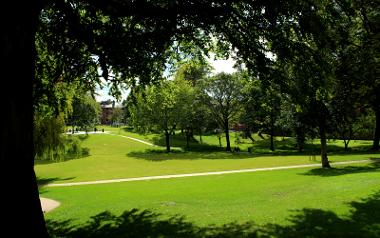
point(203, 174)
point(147, 143)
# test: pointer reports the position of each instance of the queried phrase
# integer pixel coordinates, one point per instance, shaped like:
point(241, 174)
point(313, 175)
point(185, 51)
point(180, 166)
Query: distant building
point(107, 109)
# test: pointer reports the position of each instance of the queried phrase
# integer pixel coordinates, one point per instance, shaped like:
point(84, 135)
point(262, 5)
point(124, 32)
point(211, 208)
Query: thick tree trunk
point(324, 158)
point(227, 131)
point(167, 141)
point(376, 137)
point(20, 203)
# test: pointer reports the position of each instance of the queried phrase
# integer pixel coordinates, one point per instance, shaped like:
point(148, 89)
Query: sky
point(218, 65)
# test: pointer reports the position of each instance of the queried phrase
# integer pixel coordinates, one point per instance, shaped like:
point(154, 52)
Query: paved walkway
point(200, 174)
point(83, 132)
point(147, 143)
point(109, 133)
point(48, 204)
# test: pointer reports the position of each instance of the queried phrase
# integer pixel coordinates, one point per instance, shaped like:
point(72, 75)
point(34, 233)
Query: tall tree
point(262, 108)
point(306, 49)
point(17, 152)
point(185, 97)
point(192, 111)
point(223, 94)
point(157, 109)
point(86, 112)
point(360, 55)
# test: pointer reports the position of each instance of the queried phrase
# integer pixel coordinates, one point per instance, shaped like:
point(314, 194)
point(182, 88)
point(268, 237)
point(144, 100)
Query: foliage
point(193, 71)
point(117, 116)
point(86, 112)
point(157, 109)
point(51, 144)
point(222, 93)
point(262, 105)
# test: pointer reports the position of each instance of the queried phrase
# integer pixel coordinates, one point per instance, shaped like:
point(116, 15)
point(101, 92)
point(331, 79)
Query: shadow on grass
point(285, 146)
point(45, 181)
point(363, 221)
point(176, 154)
point(261, 147)
point(179, 154)
point(373, 167)
point(179, 140)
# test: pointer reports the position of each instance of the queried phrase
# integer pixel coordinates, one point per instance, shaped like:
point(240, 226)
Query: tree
point(193, 112)
point(306, 51)
point(86, 112)
point(185, 108)
point(156, 108)
point(117, 115)
point(345, 110)
point(222, 93)
point(193, 71)
point(262, 108)
point(359, 57)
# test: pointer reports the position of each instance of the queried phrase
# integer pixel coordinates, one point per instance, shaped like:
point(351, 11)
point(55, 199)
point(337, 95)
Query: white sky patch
point(225, 66)
point(103, 94)
point(221, 65)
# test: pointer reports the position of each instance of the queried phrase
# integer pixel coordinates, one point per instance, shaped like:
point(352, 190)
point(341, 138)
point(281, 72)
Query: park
point(284, 141)
point(238, 204)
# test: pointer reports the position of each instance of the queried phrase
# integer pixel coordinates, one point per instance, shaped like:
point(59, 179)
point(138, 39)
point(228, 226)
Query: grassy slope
point(118, 157)
point(262, 197)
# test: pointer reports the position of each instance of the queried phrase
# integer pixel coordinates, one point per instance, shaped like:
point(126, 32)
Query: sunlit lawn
point(261, 197)
point(291, 201)
point(118, 157)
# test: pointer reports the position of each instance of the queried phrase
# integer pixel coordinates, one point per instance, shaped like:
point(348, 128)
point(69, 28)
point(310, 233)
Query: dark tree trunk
point(21, 208)
point(271, 142)
point(271, 133)
point(346, 134)
point(187, 138)
point(167, 141)
point(227, 131)
point(200, 136)
point(300, 137)
point(376, 138)
point(249, 135)
point(346, 144)
point(324, 158)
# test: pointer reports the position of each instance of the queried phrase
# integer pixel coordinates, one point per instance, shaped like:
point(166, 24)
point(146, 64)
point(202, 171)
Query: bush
point(70, 148)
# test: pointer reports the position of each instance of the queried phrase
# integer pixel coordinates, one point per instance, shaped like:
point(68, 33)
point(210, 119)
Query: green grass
point(114, 157)
point(210, 142)
point(288, 203)
point(261, 197)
